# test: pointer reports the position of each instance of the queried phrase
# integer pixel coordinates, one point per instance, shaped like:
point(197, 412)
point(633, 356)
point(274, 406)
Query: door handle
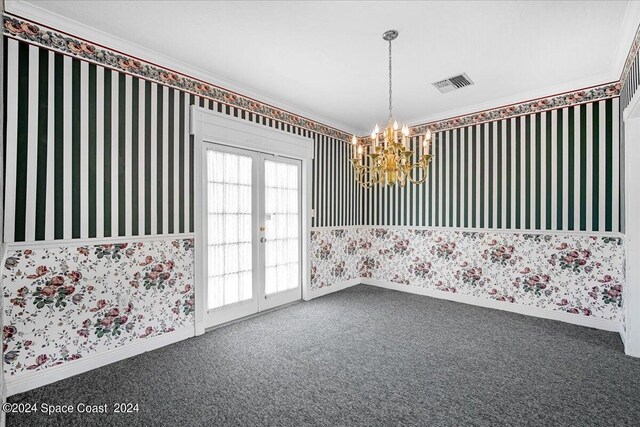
point(263, 239)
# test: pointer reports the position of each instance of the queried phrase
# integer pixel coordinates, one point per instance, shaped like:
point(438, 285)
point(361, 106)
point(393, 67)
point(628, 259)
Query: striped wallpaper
point(630, 78)
point(92, 152)
point(554, 170)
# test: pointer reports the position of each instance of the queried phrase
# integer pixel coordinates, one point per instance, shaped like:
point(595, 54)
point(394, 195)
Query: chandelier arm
point(419, 166)
point(360, 176)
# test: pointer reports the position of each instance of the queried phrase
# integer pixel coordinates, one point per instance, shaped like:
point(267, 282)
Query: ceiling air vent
point(453, 83)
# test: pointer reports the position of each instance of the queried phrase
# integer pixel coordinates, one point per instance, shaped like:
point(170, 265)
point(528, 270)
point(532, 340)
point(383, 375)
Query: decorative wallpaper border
point(49, 38)
point(568, 99)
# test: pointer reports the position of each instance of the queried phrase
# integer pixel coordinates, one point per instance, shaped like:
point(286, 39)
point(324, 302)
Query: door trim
point(207, 126)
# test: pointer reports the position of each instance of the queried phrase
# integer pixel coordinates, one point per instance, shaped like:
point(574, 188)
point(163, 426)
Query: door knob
point(263, 239)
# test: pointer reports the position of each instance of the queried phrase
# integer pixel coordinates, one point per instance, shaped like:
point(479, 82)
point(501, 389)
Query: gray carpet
point(367, 356)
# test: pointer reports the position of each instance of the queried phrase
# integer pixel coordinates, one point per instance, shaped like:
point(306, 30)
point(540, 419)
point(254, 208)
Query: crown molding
point(70, 29)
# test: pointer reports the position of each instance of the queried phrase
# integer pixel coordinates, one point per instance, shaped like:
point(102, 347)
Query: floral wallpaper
point(64, 303)
point(333, 255)
point(578, 274)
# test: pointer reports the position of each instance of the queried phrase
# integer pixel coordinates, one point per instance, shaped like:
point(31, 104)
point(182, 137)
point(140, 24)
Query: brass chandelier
point(386, 159)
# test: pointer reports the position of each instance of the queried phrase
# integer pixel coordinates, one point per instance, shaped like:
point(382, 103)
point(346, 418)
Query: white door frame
point(210, 126)
point(631, 291)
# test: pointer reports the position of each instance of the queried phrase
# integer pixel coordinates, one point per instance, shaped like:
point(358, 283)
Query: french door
point(253, 232)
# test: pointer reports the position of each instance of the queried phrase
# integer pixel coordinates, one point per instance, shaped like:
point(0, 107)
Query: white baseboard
point(199, 328)
point(30, 380)
point(315, 293)
point(623, 335)
point(576, 319)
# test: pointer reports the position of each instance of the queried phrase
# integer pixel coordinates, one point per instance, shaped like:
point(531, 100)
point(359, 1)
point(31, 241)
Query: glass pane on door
point(282, 224)
point(230, 240)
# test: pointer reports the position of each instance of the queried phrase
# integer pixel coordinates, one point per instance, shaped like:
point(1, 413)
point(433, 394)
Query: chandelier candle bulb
point(405, 136)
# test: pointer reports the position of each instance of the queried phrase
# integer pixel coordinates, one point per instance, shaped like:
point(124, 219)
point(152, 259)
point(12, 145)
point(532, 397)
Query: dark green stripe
point(527, 172)
point(548, 168)
point(538, 169)
point(482, 176)
point(335, 206)
point(474, 175)
point(509, 176)
point(431, 178)
point(107, 152)
point(76, 181)
point(41, 172)
point(191, 180)
point(160, 154)
point(559, 167)
point(595, 198)
point(443, 190)
point(491, 143)
point(609, 167)
point(170, 172)
point(467, 134)
point(58, 201)
point(571, 166)
point(181, 143)
point(583, 167)
point(22, 142)
point(92, 134)
point(499, 176)
point(325, 183)
point(135, 160)
point(314, 169)
point(147, 157)
point(331, 193)
point(518, 177)
point(437, 139)
point(450, 172)
point(122, 155)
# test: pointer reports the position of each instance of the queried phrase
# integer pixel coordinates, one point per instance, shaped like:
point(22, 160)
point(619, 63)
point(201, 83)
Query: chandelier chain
point(390, 91)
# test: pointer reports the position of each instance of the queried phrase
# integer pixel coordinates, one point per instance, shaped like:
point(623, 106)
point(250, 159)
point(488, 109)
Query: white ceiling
point(327, 60)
